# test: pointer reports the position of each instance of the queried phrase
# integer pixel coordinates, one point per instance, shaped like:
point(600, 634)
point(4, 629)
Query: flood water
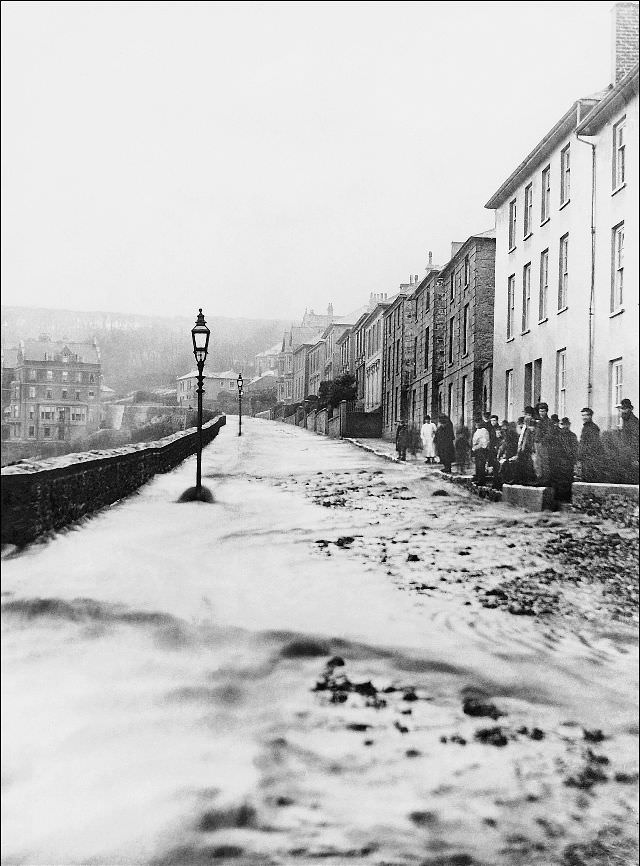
point(307, 670)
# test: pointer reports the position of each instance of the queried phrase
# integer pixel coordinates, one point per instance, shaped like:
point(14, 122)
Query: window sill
point(616, 313)
point(564, 204)
point(542, 321)
point(562, 310)
point(512, 249)
point(510, 339)
point(526, 331)
point(545, 221)
point(527, 236)
point(618, 188)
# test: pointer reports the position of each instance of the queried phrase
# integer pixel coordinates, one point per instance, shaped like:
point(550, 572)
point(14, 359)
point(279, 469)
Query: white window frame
point(508, 395)
point(526, 297)
point(543, 298)
point(528, 211)
point(616, 384)
point(617, 268)
point(513, 223)
point(618, 167)
point(565, 175)
point(563, 277)
point(511, 305)
point(561, 382)
point(545, 198)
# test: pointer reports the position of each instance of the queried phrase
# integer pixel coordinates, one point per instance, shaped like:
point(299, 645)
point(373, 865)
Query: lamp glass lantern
point(200, 336)
point(240, 383)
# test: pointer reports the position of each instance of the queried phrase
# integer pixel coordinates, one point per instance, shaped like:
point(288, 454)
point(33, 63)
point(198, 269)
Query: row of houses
point(542, 307)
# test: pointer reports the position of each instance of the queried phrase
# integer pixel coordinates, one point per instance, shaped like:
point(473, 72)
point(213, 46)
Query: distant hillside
point(145, 351)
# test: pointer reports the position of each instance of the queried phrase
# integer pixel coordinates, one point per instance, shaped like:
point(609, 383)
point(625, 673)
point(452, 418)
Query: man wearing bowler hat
point(629, 439)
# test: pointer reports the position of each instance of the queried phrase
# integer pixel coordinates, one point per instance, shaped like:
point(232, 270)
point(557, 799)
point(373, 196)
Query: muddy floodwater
point(342, 660)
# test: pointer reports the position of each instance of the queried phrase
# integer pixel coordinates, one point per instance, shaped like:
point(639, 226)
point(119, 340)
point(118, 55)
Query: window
point(425, 402)
point(618, 164)
point(49, 394)
point(563, 282)
point(450, 399)
point(32, 375)
point(65, 358)
point(426, 348)
point(537, 381)
point(544, 285)
point(615, 377)
point(511, 305)
point(451, 332)
point(32, 431)
point(49, 375)
point(78, 377)
point(617, 275)
point(465, 330)
point(65, 375)
point(77, 395)
point(545, 205)
point(32, 392)
point(528, 210)
point(47, 432)
point(526, 297)
point(452, 285)
point(528, 384)
point(565, 174)
point(561, 382)
point(64, 393)
point(463, 400)
point(512, 224)
point(467, 271)
point(427, 301)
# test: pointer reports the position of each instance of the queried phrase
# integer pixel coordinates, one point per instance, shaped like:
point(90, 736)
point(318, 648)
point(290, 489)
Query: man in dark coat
point(543, 444)
point(402, 440)
point(629, 440)
point(590, 450)
point(444, 443)
point(507, 450)
point(565, 452)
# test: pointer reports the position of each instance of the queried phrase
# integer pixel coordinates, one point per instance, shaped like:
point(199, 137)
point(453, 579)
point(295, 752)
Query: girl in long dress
point(427, 434)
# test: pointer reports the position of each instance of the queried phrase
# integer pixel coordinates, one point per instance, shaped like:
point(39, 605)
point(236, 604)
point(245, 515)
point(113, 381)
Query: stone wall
point(47, 495)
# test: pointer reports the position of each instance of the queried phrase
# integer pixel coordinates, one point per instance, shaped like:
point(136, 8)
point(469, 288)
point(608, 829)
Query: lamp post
point(200, 336)
point(240, 387)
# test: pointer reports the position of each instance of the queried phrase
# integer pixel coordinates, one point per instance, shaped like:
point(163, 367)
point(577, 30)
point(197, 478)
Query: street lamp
point(200, 336)
point(240, 387)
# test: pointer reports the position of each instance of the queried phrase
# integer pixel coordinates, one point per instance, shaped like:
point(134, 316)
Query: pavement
point(341, 658)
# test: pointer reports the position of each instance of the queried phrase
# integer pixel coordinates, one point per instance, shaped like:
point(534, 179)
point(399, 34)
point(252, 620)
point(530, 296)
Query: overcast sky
point(259, 158)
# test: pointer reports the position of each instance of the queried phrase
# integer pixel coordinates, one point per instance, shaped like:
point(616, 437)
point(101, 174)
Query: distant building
point(213, 383)
point(372, 333)
point(467, 297)
point(294, 337)
point(331, 335)
point(398, 360)
point(317, 358)
point(53, 391)
point(261, 383)
point(268, 360)
point(426, 388)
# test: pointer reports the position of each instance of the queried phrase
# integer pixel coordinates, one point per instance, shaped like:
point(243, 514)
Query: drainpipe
point(592, 292)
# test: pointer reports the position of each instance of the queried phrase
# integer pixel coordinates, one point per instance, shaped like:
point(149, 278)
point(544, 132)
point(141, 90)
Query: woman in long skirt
point(427, 434)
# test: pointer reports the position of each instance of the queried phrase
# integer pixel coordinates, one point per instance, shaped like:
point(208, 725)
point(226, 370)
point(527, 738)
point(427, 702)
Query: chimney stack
point(624, 55)
point(430, 259)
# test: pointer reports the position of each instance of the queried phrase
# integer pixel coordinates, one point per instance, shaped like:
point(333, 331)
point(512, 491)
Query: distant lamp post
point(200, 336)
point(240, 391)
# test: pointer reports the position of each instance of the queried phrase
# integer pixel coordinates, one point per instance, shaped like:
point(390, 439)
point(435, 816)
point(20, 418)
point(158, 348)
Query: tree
point(343, 387)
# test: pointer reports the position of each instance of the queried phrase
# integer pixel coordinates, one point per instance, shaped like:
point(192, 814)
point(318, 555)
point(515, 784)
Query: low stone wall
point(47, 495)
point(617, 502)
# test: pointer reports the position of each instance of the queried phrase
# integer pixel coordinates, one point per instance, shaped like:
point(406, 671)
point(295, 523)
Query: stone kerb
point(529, 498)
point(39, 497)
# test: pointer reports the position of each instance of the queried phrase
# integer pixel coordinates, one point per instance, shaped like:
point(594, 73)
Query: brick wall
point(625, 39)
point(45, 496)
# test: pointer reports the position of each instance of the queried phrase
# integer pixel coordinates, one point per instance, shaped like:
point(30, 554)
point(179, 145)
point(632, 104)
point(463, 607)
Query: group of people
point(537, 449)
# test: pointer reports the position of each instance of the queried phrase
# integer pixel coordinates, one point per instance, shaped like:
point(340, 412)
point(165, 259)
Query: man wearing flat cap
point(629, 439)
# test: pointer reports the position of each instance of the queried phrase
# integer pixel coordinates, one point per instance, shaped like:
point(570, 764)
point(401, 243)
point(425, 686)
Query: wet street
point(341, 660)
